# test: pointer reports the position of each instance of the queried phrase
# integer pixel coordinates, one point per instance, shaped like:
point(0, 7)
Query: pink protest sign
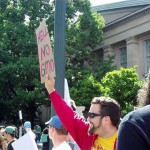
point(46, 59)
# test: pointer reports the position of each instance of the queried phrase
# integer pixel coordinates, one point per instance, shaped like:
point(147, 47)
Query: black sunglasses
point(92, 115)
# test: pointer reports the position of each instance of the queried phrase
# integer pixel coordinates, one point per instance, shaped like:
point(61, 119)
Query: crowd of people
point(9, 134)
point(102, 130)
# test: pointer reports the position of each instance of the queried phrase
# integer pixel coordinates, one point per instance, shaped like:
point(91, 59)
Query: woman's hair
point(3, 143)
point(143, 95)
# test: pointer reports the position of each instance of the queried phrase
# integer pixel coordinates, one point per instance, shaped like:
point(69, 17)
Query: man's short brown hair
point(108, 107)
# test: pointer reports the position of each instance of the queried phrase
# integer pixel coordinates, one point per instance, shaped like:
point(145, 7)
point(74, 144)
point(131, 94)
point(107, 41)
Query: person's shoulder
point(9, 147)
point(65, 145)
point(127, 117)
point(145, 109)
point(138, 114)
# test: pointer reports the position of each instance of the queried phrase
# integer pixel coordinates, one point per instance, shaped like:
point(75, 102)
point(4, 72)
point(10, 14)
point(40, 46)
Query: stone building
point(127, 33)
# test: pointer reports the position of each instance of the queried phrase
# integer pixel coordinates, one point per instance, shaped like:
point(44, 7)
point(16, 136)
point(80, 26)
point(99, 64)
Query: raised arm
point(75, 125)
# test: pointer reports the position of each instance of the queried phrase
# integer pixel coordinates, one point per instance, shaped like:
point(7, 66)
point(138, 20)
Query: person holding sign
point(27, 127)
point(100, 131)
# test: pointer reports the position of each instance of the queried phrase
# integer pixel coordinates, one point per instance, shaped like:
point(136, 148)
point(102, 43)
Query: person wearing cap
point(37, 131)
point(9, 134)
point(27, 127)
point(101, 128)
point(58, 134)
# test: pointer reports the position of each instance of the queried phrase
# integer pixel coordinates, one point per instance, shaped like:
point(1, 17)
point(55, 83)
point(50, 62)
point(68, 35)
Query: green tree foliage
point(122, 85)
point(20, 86)
point(84, 32)
point(84, 67)
point(89, 87)
point(19, 68)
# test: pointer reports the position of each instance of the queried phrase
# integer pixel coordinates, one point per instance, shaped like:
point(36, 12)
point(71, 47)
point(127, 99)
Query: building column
point(108, 51)
point(133, 54)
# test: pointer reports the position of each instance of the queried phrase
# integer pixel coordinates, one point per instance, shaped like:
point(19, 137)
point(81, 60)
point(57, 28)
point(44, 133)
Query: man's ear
point(54, 129)
point(106, 119)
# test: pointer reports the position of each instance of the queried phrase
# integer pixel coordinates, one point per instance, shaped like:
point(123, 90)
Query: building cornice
point(120, 5)
point(128, 18)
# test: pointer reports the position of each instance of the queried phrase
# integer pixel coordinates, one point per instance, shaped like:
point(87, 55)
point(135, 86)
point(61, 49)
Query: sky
point(101, 2)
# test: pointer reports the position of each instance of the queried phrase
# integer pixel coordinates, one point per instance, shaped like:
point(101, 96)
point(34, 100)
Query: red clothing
point(77, 127)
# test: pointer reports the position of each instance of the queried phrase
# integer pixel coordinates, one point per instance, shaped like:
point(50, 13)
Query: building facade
point(127, 33)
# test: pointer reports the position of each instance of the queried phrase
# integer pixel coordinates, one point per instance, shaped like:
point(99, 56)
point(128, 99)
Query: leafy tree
point(122, 85)
point(84, 32)
point(84, 68)
point(19, 70)
point(88, 88)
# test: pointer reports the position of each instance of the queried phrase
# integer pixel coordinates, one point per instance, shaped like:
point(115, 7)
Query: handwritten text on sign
point(46, 59)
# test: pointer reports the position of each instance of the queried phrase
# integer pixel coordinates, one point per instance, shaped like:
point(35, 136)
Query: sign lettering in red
point(46, 59)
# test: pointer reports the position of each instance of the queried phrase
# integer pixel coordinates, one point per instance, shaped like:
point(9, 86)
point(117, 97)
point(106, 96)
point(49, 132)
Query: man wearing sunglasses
point(99, 132)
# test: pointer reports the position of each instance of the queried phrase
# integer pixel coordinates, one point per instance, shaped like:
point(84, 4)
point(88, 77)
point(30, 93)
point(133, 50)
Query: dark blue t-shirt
point(134, 130)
